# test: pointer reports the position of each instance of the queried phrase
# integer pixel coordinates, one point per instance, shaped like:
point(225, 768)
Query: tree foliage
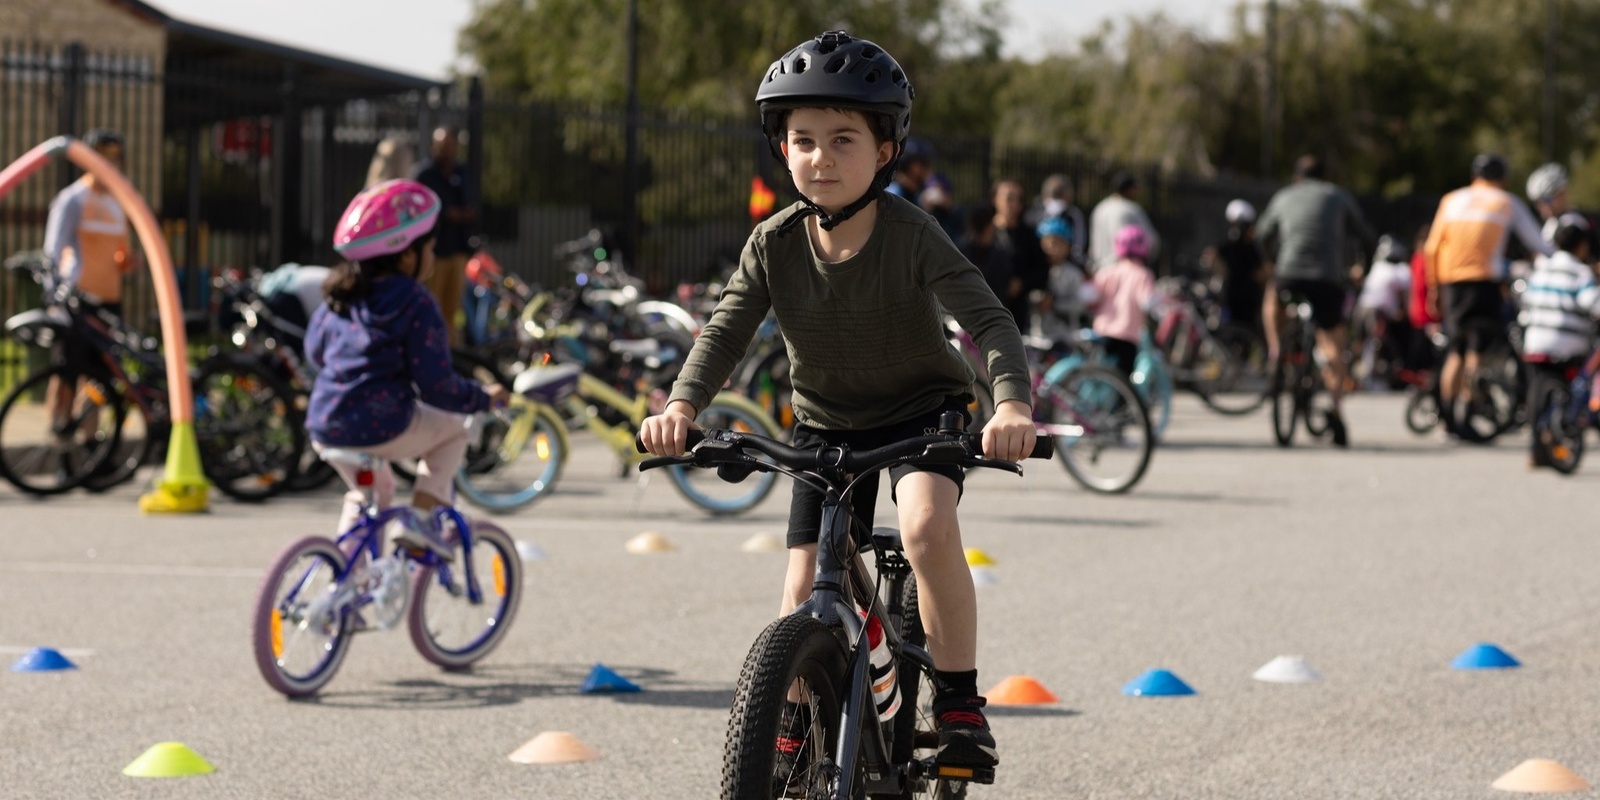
point(1397, 94)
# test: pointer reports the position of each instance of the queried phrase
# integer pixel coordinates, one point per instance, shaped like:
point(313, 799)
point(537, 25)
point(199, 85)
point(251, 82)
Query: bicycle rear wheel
point(798, 657)
point(1101, 428)
point(1285, 402)
point(139, 442)
point(1422, 411)
point(704, 487)
point(513, 463)
point(251, 437)
point(448, 626)
point(1557, 430)
point(42, 456)
point(1231, 369)
point(301, 626)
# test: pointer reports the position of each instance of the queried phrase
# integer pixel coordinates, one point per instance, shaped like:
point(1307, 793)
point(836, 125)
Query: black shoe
point(964, 738)
point(1341, 438)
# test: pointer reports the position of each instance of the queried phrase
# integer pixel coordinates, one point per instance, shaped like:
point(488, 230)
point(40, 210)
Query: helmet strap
point(831, 221)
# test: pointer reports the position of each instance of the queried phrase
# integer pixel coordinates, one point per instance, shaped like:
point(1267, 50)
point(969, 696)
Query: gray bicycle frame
point(841, 577)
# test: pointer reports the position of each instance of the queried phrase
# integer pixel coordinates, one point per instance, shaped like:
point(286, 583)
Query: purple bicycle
point(319, 592)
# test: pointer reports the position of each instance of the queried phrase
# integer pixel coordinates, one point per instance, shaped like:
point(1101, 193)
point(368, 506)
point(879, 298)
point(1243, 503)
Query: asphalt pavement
point(1378, 565)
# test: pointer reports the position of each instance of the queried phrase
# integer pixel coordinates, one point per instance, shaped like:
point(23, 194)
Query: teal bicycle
point(319, 592)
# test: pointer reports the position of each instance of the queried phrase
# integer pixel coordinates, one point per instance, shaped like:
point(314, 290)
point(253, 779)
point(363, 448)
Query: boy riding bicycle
point(857, 280)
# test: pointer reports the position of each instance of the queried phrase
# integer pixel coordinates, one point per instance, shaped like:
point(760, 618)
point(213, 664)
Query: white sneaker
point(420, 532)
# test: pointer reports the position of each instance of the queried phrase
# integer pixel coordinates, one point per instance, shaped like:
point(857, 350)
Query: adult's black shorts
point(1327, 300)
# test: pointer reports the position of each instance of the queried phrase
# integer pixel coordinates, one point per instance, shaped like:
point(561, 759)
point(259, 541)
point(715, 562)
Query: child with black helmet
point(857, 279)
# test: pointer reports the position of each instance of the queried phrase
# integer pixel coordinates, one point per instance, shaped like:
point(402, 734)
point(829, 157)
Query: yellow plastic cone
point(649, 542)
point(978, 558)
point(762, 543)
point(1541, 776)
point(183, 488)
point(554, 747)
point(168, 760)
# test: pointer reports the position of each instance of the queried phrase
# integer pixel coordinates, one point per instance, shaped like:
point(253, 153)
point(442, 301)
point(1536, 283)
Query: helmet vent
point(800, 64)
point(897, 77)
point(872, 77)
point(835, 64)
point(870, 52)
point(827, 46)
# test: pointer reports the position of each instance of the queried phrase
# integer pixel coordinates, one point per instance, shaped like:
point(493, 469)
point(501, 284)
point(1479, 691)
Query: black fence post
point(71, 116)
point(474, 192)
point(286, 148)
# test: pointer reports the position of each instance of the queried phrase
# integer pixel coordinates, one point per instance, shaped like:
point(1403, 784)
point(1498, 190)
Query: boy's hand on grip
point(666, 433)
point(1010, 434)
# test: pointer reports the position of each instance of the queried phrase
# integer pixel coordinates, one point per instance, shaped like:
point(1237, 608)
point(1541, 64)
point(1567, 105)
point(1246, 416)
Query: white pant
point(437, 437)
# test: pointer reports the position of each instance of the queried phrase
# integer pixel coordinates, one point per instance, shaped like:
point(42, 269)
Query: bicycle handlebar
point(715, 447)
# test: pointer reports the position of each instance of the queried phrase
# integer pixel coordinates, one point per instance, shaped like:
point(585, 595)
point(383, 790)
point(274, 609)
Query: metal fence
point(251, 168)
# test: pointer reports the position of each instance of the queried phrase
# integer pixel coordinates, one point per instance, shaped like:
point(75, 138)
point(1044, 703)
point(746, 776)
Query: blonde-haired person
point(391, 159)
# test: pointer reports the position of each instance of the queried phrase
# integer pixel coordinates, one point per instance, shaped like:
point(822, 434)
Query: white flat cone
point(649, 542)
point(530, 551)
point(554, 747)
point(983, 576)
point(762, 543)
point(1287, 669)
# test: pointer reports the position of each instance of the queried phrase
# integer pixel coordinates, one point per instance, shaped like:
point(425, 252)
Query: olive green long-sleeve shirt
point(865, 336)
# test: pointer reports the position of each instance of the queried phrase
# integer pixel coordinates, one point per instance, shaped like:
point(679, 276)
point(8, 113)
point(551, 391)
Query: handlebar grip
point(695, 437)
point(1043, 447)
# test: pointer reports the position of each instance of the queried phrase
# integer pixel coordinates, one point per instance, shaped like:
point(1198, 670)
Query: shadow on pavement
point(1197, 497)
point(499, 685)
point(1088, 522)
point(1030, 711)
point(711, 699)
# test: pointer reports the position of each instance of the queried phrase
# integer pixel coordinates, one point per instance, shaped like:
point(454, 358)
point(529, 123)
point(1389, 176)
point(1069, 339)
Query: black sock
point(955, 684)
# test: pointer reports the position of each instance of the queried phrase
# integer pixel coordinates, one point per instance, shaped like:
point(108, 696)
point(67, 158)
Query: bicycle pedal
point(984, 775)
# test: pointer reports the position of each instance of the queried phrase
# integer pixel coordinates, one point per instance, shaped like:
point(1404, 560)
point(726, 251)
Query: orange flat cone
point(1020, 690)
point(1541, 776)
point(554, 747)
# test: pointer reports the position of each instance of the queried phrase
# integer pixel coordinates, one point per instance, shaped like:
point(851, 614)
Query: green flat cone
point(168, 760)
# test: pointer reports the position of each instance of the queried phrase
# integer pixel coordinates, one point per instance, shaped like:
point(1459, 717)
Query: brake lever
point(664, 461)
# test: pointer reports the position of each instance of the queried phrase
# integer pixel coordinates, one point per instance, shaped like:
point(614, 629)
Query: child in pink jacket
point(1125, 288)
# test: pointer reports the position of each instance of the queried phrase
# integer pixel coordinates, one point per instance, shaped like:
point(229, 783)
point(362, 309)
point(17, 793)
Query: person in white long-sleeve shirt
point(1114, 213)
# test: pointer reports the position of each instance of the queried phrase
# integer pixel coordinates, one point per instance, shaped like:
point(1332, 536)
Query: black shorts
point(1474, 314)
point(1326, 299)
point(805, 510)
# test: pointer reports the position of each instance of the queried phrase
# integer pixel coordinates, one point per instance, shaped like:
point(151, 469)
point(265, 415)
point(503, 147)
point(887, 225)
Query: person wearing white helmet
point(1237, 261)
point(1547, 190)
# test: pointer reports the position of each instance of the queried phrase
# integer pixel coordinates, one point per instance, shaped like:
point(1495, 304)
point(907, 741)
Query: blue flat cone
point(42, 659)
point(1484, 656)
point(602, 680)
point(1157, 683)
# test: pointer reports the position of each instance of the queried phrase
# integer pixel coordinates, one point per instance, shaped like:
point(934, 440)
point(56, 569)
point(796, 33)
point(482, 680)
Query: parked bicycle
point(319, 592)
point(818, 656)
point(1225, 364)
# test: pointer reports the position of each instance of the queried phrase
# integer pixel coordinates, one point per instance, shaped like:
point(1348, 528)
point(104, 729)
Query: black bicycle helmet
point(1490, 167)
point(837, 70)
point(100, 137)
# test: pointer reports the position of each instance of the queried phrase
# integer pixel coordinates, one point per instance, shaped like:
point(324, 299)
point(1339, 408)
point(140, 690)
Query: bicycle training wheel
point(461, 610)
point(704, 487)
point(42, 456)
point(1101, 427)
point(788, 698)
point(514, 461)
point(301, 627)
point(1232, 373)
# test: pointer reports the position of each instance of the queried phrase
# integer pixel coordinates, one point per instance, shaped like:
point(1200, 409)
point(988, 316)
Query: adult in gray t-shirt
point(1304, 233)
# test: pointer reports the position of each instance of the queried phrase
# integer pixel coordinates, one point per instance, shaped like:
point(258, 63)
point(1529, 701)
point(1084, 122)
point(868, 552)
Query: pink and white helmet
point(385, 218)
point(1132, 242)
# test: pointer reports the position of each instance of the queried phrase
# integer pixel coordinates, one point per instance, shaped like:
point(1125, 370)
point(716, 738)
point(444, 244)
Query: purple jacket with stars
point(374, 363)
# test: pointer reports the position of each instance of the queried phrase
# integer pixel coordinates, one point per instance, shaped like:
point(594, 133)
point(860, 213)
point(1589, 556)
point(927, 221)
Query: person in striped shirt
point(1559, 307)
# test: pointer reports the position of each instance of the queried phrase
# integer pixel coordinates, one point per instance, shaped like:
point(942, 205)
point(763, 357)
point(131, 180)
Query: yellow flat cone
point(649, 542)
point(554, 747)
point(978, 558)
point(168, 760)
point(762, 543)
point(1541, 776)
